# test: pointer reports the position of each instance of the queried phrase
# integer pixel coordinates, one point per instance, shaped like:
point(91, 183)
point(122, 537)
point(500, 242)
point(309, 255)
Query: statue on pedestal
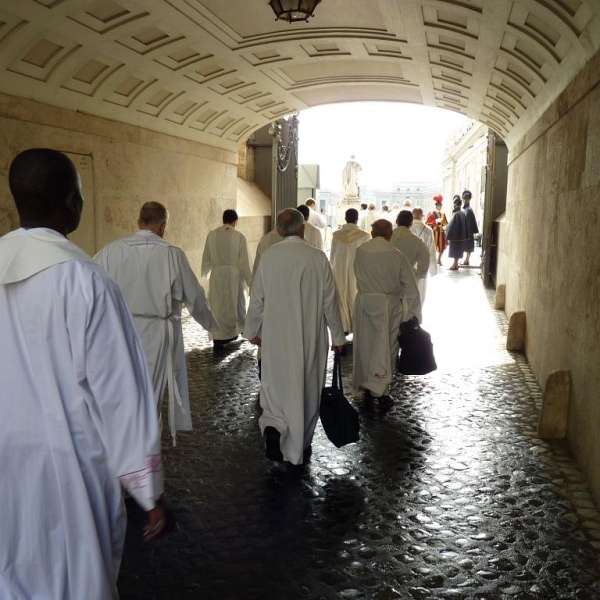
point(350, 191)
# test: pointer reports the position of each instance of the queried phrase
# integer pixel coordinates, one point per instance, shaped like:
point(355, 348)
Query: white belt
point(174, 395)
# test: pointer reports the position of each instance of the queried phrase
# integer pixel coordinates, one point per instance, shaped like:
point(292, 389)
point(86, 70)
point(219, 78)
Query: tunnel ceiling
point(215, 70)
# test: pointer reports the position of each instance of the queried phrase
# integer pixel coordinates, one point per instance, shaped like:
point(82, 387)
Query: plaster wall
point(549, 248)
point(131, 166)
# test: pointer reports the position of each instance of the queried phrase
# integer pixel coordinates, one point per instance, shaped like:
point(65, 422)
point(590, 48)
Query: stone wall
point(130, 166)
point(549, 253)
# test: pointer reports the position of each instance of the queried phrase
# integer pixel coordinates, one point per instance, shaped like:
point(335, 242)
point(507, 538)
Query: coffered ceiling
point(215, 70)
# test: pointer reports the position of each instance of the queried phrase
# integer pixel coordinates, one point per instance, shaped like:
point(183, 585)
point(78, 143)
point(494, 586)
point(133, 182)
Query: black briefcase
point(416, 350)
point(338, 417)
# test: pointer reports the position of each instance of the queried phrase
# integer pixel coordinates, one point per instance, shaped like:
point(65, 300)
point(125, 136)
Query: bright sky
point(392, 142)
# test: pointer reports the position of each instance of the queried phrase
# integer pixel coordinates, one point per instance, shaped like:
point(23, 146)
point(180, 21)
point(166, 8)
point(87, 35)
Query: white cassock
point(387, 296)
point(413, 248)
point(226, 260)
point(317, 219)
point(292, 302)
point(394, 215)
point(156, 279)
point(77, 421)
point(367, 219)
point(313, 236)
point(424, 233)
point(344, 243)
point(387, 215)
point(266, 241)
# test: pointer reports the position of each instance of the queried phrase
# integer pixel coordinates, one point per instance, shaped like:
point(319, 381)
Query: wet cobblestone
point(448, 495)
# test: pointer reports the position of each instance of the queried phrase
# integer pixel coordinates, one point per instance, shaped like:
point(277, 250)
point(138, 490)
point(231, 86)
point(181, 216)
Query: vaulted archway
point(214, 71)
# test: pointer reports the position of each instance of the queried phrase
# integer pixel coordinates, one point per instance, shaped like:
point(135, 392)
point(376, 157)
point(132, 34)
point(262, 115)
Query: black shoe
point(220, 343)
point(385, 402)
point(271, 439)
point(367, 396)
point(306, 455)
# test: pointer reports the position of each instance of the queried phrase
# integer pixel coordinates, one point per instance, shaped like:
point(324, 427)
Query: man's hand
point(160, 520)
point(256, 341)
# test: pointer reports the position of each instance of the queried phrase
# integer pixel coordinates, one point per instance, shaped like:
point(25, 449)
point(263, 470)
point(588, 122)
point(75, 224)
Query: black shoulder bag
point(338, 417)
point(416, 356)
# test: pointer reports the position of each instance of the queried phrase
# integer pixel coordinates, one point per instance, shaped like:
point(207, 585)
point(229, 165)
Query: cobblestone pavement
point(448, 495)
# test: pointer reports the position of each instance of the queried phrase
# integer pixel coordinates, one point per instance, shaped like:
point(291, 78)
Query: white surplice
point(344, 243)
point(388, 216)
point(367, 219)
point(387, 296)
point(313, 236)
point(317, 219)
point(156, 278)
point(77, 421)
point(425, 233)
point(266, 241)
point(413, 248)
point(226, 260)
point(292, 302)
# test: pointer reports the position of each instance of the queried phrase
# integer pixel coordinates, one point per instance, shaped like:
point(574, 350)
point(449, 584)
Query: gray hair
point(289, 222)
point(153, 213)
point(381, 228)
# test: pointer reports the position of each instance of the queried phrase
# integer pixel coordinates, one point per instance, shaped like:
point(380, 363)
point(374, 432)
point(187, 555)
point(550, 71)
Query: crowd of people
point(91, 345)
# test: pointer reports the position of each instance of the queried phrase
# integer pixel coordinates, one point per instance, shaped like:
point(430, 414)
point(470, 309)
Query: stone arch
point(215, 71)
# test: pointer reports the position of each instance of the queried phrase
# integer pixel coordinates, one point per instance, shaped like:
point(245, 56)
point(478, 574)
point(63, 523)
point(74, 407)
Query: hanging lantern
point(293, 11)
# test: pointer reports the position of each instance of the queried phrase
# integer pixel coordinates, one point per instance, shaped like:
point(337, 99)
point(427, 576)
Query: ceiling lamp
point(293, 11)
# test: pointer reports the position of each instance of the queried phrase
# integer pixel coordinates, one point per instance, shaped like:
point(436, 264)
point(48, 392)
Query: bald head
point(290, 222)
point(47, 190)
point(381, 228)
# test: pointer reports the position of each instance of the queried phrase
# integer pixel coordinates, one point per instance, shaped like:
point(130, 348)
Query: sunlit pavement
point(448, 495)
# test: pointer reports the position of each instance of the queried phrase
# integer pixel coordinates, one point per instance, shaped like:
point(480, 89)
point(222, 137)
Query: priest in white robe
point(343, 250)
point(226, 261)
point(368, 218)
point(410, 245)
point(156, 279)
point(77, 416)
point(266, 241)
point(387, 296)
point(315, 218)
point(425, 234)
point(293, 301)
point(312, 236)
